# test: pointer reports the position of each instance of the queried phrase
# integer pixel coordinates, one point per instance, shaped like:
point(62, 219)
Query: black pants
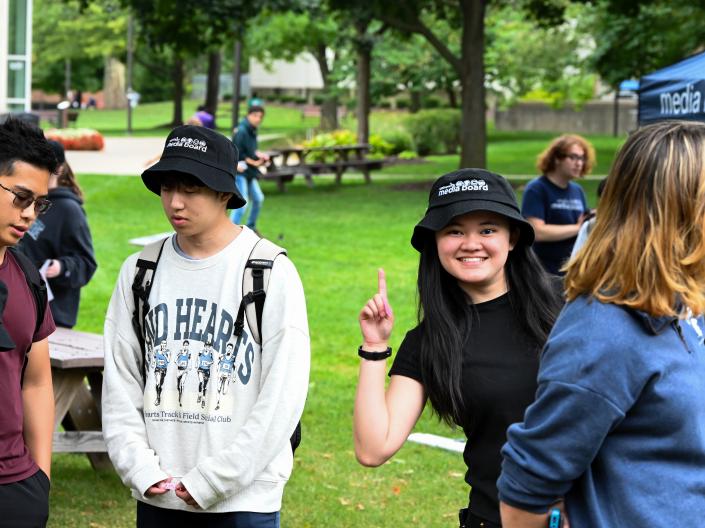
point(25, 504)
point(149, 516)
point(468, 520)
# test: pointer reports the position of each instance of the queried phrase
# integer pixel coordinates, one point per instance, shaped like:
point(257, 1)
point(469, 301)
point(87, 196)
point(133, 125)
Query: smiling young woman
point(485, 309)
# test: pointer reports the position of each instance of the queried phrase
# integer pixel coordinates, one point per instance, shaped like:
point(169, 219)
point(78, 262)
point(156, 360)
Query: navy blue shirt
point(554, 205)
point(617, 427)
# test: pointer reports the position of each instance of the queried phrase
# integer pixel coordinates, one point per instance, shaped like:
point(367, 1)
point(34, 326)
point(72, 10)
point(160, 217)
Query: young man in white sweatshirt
point(193, 463)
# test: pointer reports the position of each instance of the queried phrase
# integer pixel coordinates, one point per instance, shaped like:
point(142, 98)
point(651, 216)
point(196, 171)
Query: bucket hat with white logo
point(464, 191)
point(205, 154)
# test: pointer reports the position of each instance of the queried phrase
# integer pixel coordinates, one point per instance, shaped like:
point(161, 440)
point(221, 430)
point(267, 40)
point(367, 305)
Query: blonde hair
point(558, 149)
point(647, 248)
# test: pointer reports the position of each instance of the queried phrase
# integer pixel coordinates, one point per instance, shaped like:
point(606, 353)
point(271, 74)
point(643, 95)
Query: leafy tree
point(287, 35)
point(189, 29)
point(85, 35)
point(467, 18)
point(636, 38)
point(524, 56)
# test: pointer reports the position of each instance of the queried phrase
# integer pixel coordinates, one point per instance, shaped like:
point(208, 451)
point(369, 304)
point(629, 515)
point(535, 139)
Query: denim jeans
point(251, 192)
point(149, 516)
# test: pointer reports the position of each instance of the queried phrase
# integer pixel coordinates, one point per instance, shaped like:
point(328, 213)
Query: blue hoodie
point(618, 425)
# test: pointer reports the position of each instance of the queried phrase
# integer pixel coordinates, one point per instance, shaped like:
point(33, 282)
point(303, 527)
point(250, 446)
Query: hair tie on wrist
point(374, 356)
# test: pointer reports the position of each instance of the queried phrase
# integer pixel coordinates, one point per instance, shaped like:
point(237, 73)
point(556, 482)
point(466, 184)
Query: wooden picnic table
point(289, 161)
point(77, 374)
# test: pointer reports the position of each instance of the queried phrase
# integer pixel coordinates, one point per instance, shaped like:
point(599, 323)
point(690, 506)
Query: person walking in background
point(61, 239)
point(27, 410)
point(486, 307)
point(245, 139)
point(617, 427)
point(553, 203)
point(205, 117)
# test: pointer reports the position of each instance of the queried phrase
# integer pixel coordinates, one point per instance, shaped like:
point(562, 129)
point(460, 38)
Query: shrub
point(77, 138)
point(330, 139)
point(400, 140)
point(318, 99)
point(435, 131)
point(431, 102)
point(408, 155)
point(380, 146)
point(403, 103)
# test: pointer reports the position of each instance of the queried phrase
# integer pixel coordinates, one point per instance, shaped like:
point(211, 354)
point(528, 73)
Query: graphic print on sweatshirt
point(195, 366)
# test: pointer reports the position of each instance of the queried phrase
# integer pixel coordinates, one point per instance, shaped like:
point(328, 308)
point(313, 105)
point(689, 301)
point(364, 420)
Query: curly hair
point(557, 149)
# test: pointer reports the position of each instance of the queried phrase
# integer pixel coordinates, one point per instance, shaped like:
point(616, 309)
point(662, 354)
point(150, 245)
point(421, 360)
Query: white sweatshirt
point(230, 449)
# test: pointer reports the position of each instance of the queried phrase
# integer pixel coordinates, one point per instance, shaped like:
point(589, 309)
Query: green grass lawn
point(337, 236)
point(151, 119)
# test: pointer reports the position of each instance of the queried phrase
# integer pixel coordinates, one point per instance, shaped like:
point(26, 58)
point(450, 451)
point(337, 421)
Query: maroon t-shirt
point(20, 320)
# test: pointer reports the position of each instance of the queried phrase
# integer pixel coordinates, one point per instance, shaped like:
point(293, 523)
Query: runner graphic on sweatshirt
point(205, 361)
point(225, 367)
point(183, 360)
point(161, 362)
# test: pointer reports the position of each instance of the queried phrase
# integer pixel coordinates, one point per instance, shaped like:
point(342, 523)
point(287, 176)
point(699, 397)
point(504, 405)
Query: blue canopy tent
point(674, 92)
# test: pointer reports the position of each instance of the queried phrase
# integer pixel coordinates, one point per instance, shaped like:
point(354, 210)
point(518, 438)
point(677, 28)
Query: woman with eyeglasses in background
point(61, 239)
point(553, 203)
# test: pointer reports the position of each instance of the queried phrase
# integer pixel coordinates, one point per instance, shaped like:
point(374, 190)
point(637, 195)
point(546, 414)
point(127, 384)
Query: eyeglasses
point(575, 157)
point(25, 199)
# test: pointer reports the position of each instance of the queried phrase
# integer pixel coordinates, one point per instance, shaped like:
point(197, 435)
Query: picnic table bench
point(77, 357)
point(285, 163)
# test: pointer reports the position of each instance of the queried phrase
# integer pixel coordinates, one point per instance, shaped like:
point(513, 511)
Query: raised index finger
point(381, 283)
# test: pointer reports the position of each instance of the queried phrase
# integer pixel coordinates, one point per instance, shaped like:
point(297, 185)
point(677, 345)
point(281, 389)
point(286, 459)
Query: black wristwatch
point(374, 356)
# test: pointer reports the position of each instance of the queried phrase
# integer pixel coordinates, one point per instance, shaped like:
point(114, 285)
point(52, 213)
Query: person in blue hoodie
point(618, 425)
point(62, 237)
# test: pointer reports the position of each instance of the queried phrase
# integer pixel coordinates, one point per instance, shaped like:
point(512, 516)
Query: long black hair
point(445, 315)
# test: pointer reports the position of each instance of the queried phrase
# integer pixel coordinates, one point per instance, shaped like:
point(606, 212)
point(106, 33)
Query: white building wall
point(301, 74)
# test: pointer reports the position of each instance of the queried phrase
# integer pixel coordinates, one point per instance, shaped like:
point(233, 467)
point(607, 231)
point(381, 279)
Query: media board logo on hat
point(464, 185)
point(464, 191)
point(187, 142)
point(200, 152)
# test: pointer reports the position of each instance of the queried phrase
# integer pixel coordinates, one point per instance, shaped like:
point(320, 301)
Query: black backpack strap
point(145, 269)
point(36, 284)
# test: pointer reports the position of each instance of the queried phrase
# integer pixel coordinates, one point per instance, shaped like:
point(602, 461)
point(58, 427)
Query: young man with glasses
point(553, 203)
point(27, 412)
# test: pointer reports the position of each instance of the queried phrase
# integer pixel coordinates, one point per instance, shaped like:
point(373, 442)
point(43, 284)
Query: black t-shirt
point(500, 365)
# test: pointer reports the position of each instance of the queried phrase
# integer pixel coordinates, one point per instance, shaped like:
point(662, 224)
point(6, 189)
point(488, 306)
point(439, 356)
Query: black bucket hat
point(205, 154)
point(6, 342)
point(464, 191)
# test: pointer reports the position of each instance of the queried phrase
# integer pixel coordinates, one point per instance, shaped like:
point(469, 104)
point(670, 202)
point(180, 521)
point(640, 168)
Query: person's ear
point(514, 237)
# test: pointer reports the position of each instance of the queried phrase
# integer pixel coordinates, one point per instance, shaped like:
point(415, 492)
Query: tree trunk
point(329, 108)
point(237, 69)
point(213, 82)
point(178, 82)
point(364, 59)
point(450, 91)
point(329, 113)
point(114, 85)
point(473, 133)
point(415, 101)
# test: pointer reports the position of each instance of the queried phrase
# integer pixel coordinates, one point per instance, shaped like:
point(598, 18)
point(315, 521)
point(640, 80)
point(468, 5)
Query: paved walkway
point(122, 156)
